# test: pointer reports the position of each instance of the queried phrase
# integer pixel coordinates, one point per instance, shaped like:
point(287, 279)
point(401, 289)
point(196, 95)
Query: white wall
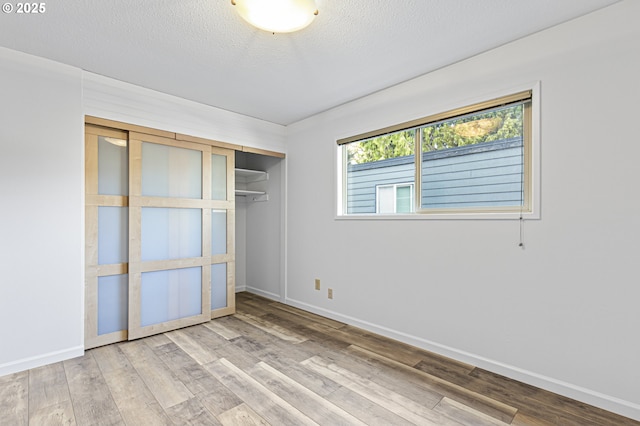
point(42, 108)
point(41, 213)
point(241, 246)
point(112, 99)
point(563, 313)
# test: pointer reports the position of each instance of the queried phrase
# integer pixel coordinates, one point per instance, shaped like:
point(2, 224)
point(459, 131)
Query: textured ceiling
point(203, 51)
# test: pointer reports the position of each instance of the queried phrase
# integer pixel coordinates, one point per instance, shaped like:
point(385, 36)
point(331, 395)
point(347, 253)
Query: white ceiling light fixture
point(277, 16)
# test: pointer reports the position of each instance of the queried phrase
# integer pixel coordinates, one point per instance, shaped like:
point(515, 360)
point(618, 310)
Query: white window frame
point(532, 163)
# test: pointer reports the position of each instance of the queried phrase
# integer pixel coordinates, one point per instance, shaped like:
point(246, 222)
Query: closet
point(160, 231)
point(172, 223)
point(260, 223)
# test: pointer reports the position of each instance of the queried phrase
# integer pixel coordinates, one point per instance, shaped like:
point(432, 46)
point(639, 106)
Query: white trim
point(83, 247)
point(441, 216)
point(40, 360)
point(260, 292)
point(283, 235)
point(597, 399)
point(339, 183)
point(536, 143)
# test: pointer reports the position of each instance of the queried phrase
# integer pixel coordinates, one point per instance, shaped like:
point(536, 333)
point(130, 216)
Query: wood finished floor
point(272, 364)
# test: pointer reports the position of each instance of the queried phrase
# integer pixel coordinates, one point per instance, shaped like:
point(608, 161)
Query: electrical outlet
point(330, 293)
point(317, 284)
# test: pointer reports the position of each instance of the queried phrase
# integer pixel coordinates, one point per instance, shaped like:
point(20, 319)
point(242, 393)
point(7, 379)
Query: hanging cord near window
point(521, 220)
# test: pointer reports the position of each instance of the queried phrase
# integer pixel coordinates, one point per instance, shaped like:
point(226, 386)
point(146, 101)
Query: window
point(475, 159)
point(396, 198)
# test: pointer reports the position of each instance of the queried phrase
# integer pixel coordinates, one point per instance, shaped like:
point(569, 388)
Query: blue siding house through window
point(488, 174)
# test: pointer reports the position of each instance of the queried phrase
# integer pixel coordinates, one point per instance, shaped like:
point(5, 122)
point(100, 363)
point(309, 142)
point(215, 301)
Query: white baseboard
point(240, 289)
point(263, 293)
point(40, 360)
point(588, 396)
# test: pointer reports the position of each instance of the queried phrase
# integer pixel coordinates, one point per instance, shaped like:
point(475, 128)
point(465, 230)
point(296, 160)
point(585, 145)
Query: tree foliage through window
point(497, 124)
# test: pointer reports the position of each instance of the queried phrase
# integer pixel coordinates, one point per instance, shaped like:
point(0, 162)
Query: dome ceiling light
point(277, 16)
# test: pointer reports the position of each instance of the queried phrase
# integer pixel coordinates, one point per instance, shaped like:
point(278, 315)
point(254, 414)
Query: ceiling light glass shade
point(277, 16)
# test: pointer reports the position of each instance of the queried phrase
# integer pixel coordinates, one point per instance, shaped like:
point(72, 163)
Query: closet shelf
point(247, 192)
point(247, 176)
point(251, 184)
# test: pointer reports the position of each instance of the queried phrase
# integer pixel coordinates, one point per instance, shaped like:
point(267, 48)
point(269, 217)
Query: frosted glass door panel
point(113, 235)
point(170, 295)
point(168, 171)
point(169, 233)
point(219, 286)
point(113, 303)
point(113, 166)
point(218, 231)
point(218, 177)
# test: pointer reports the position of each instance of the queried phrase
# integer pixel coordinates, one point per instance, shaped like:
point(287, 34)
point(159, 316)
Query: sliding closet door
point(171, 221)
point(222, 232)
point(106, 235)
point(160, 234)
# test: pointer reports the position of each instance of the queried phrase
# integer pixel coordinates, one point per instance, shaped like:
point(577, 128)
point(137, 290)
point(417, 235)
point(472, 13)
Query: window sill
point(443, 216)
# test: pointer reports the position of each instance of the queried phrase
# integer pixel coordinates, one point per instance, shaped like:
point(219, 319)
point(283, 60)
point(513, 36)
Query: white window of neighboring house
point(394, 198)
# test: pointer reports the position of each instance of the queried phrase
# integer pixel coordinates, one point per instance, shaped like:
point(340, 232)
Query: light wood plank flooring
point(272, 364)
